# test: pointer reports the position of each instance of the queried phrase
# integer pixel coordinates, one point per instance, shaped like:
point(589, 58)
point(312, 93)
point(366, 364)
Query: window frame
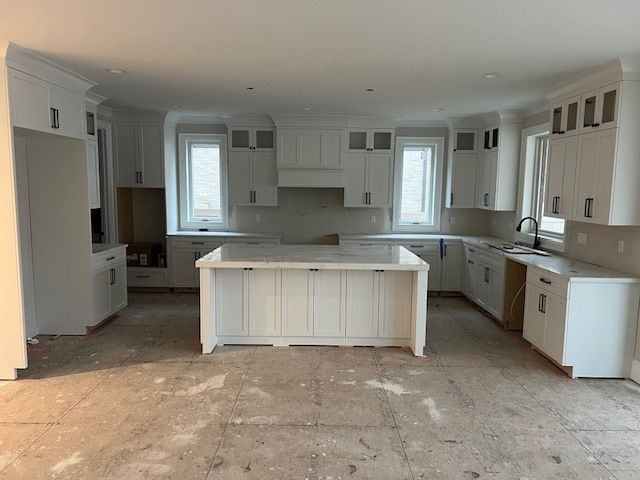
point(184, 141)
point(529, 188)
point(402, 142)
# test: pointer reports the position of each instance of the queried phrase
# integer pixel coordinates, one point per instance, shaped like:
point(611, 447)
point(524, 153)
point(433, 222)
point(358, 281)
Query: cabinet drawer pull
point(540, 302)
point(471, 262)
point(197, 243)
point(595, 124)
point(142, 276)
point(110, 258)
point(544, 280)
point(472, 250)
point(416, 246)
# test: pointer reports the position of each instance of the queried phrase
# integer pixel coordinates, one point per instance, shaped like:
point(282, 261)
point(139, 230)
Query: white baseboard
point(635, 371)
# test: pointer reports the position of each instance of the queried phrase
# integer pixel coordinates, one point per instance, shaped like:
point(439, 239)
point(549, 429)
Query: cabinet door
point(557, 114)
point(152, 155)
point(118, 287)
point(462, 191)
point(264, 302)
point(555, 309)
point(495, 293)
point(297, 302)
point(571, 116)
point(561, 168)
point(534, 321)
point(381, 141)
point(125, 146)
point(379, 177)
point(483, 181)
point(470, 281)
point(310, 149)
point(93, 174)
point(600, 207)
point(608, 106)
point(240, 138)
point(29, 101)
point(71, 113)
point(183, 268)
point(452, 267)
point(362, 303)
point(464, 141)
point(483, 284)
point(395, 304)
point(264, 139)
point(434, 283)
point(101, 302)
point(494, 188)
point(328, 298)
point(287, 149)
point(231, 301)
point(264, 175)
point(589, 106)
point(332, 149)
point(240, 178)
point(355, 181)
point(358, 141)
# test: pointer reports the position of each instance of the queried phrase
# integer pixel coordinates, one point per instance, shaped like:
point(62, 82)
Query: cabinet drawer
point(147, 277)
point(203, 244)
point(107, 258)
point(420, 248)
point(254, 241)
point(548, 281)
point(365, 243)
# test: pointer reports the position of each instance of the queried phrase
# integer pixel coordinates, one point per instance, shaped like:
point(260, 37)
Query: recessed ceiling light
point(177, 106)
point(117, 71)
point(370, 90)
point(438, 109)
point(492, 75)
point(249, 88)
point(306, 109)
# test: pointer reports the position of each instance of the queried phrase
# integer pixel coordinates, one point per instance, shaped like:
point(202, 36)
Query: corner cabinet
point(40, 105)
point(139, 154)
point(368, 180)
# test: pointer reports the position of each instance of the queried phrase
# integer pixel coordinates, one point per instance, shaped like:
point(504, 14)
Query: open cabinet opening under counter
point(313, 295)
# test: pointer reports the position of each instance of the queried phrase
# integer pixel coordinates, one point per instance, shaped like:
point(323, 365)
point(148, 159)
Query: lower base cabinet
point(297, 303)
point(483, 280)
point(109, 286)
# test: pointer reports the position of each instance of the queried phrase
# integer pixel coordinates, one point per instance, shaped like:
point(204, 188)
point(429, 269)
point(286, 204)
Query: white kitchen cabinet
point(259, 139)
point(93, 174)
point(595, 176)
point(182, 266)
point(461, 180)
point(40, 105)
point(560, 177)
point(328, 304)
point(297, 302)
point(565, 116)
point(370, 140)
point(470, 273)
point(429, 252)
point(394, 304)
point(248, 301)
point(600, 108)
point(139, 154)
point(485, 172)
point(109, 284)
point(252, 178)
point(490, 288)
point(451, 266)
point(362, 303)
point(368, 181)
point(307, 148)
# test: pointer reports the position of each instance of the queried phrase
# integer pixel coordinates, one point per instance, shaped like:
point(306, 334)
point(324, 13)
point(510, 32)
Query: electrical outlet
point(258, 218)
point(372, 219)
point(620, 246)
point(452, 220)
point(582, 239)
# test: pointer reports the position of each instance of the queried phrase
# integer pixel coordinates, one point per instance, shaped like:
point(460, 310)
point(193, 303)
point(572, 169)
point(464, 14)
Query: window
point(418, 183)
point(547, 225)
point(533, 168)
point(202, 174)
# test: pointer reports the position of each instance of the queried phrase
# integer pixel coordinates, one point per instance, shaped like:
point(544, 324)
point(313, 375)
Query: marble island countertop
point(325, 257)
point(104, 247)
point(572, 269)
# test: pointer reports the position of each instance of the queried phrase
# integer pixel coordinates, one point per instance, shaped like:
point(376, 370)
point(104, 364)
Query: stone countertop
point(326, 257)
point(573, 270)
point(225, 234)
point(104, 247)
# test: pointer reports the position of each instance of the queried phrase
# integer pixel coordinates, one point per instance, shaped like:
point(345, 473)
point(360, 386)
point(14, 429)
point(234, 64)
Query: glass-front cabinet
point(600, 108)
point(464, 141)
point(253, 138)
point(564, 117)
point(491, 138)
point(370, 140)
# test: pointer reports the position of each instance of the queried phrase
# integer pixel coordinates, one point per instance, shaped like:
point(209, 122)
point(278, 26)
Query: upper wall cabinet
point(261, 139)
point(600, 108)
point(307, 148)
point(37, 104)
point(565, 115)
point(465, 140)
point(370, 140)
point(252, 179)
point(139, 154)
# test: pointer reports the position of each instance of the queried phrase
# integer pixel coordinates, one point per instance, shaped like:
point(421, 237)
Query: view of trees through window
point(418, 184)
point(204, 171)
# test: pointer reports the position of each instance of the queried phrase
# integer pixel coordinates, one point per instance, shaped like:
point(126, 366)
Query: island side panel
point(419, 312)
point(208, 336)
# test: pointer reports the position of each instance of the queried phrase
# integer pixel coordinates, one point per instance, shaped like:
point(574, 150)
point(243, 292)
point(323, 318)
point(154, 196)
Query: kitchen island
point(313, 295)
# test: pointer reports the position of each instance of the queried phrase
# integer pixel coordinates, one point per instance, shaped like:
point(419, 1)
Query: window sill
point(416, 228)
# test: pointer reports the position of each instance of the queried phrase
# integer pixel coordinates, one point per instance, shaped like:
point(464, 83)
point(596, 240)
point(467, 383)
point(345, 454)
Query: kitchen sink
point(516, 249)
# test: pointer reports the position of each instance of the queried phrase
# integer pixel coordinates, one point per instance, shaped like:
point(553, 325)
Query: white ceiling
point(416, 54)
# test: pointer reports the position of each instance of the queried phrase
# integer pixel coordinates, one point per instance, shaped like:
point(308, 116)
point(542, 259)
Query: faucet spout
point(536, 238)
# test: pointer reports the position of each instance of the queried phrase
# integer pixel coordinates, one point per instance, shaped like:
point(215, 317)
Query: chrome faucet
point(536, 239)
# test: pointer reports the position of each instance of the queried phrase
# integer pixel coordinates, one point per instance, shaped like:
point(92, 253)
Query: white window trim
point(401, 142)
point(526, 187)
point(184, 222)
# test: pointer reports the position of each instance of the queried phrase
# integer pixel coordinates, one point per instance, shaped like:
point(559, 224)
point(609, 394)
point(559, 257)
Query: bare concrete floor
point(136, 400)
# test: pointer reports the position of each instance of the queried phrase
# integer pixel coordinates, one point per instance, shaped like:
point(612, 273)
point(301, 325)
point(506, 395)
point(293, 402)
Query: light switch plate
point(620, 246)
point(582, 239)
point(452, 220)
point(258, 218)
point(372, 219)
